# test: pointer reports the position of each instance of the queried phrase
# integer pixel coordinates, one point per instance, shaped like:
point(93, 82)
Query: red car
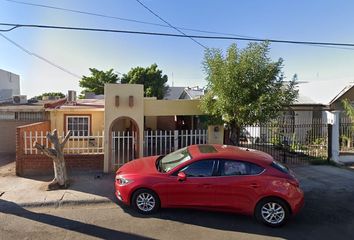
point(213, 177)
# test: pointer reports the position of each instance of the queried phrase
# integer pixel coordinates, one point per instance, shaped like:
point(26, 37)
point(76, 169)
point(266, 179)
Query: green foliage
point(95, 83)
point(50, 94)
point(245, 86)
point(275, 140)
point(348, 108)
point(151, 77)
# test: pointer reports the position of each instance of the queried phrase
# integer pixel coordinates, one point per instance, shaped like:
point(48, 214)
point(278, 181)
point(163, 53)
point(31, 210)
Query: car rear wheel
point(272, 212)
point(145, 201)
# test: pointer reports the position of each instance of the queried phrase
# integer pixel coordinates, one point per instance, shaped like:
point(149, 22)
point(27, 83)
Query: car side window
point(237, 168)
point(202, 168)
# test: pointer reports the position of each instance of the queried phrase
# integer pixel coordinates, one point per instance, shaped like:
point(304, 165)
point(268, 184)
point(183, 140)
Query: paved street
point(328, 214)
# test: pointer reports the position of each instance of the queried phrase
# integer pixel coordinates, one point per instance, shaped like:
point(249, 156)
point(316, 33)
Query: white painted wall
point(9, 84)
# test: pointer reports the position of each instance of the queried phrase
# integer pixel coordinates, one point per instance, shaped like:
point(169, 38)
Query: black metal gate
point(288, 142)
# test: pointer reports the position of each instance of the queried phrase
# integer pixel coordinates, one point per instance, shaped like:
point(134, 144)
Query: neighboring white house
point(9, 85)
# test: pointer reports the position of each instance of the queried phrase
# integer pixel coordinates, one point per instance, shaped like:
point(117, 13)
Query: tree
point(151, 77)
point(95, 83)
point(50, 94)
point(348, 108)
point(60, 175)
point(245, 86)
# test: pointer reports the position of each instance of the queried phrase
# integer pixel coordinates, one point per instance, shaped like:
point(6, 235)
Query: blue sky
point(327, 70)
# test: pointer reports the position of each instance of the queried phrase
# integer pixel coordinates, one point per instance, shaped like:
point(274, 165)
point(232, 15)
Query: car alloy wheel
point(272, 211)
point(145, 201)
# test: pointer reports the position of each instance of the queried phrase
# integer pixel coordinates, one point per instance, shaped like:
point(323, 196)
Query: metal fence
point(124, 147)
point(163, 142)
point(346, 135)
point(290, 143)
point(93, 144)
point(24, 116)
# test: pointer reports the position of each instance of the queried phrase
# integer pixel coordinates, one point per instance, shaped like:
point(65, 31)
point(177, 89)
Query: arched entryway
point(124, 141)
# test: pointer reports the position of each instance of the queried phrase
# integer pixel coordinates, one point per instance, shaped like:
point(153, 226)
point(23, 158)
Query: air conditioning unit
point(19, 99)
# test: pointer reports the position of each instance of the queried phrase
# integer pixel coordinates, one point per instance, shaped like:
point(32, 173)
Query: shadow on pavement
point(95, 183)
point(306, 225)
point(64, 223)
point(6, 158)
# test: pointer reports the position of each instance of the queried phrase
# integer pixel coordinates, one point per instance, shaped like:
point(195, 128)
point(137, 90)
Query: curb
point(57, 204)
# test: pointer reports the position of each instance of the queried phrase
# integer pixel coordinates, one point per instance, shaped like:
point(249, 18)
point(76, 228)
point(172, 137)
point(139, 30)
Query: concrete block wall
point(8, 135)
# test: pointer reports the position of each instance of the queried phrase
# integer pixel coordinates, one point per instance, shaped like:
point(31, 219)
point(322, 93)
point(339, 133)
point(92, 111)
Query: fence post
point(335, 136)
point(329, 141)
point(175, 137)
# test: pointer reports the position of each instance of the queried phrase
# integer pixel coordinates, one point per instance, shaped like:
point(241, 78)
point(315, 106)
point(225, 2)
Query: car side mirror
point(181, 177)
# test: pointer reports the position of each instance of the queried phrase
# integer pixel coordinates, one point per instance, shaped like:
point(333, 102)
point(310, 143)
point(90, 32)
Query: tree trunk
point(234, 134)
point(57, 154)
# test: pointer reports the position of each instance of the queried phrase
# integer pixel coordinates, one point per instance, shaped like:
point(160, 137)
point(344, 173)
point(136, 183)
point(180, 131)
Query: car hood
point(139, 166)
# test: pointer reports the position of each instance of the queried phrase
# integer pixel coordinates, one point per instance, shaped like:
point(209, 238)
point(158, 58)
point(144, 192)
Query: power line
point(335, 44)
point(141, 22)
point(85, 13)
point(156, 15)
point(120, 18)
point(39, 57)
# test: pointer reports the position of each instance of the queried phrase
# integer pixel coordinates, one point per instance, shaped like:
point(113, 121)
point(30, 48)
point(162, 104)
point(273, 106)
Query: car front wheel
point(145, 201)
point(273, 212)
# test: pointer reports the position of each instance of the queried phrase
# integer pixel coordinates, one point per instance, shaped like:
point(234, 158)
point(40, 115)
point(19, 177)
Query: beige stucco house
point(122, 126)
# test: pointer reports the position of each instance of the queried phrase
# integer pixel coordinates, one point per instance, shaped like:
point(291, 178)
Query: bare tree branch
point(47, 151)
point(66, 138)
point(50, 136)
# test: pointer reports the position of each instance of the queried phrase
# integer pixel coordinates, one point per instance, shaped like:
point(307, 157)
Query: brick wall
point(20, 156)
point(39, 164)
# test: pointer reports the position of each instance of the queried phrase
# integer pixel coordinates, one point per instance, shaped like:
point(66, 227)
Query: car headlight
point(123, 181)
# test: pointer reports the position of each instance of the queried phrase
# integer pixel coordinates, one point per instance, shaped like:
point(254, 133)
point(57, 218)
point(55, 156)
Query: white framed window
point(78, 125)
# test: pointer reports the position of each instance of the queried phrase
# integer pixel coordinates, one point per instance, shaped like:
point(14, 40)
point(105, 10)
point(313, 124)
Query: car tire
point(145, 201)
point(273, 212)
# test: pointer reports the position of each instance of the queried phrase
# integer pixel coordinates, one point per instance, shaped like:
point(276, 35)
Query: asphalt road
point(328, 214)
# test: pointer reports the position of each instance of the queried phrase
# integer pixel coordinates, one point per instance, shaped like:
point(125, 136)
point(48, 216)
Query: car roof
point(229, 152)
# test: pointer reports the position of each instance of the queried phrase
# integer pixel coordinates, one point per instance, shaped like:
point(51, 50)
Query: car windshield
point(174, 159)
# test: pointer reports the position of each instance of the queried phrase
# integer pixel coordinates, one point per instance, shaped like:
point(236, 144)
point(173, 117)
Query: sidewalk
point(85, 188)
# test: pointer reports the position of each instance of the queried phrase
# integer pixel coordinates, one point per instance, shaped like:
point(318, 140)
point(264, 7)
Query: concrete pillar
point(334, 120)
point(216, 134)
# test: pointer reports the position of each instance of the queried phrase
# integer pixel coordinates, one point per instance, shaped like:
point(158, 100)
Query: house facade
point(125, 125)
point(9, 85)
point(108, 132)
